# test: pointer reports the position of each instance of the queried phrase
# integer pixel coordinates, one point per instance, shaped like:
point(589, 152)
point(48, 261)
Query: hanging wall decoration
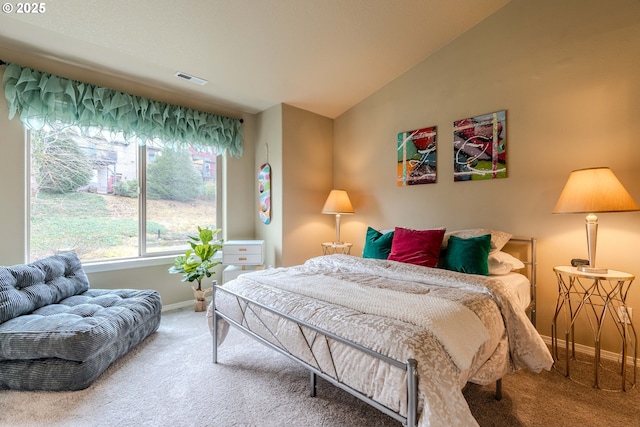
point(264, 193)
point(417, 157)
point(480, 147)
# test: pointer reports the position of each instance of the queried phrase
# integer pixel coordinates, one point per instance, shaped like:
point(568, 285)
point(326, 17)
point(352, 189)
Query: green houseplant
point(197, 263)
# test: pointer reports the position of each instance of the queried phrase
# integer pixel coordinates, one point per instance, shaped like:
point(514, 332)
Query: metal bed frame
point(410, 365)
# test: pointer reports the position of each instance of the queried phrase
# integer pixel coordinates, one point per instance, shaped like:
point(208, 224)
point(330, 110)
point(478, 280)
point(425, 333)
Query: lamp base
point(597, 270)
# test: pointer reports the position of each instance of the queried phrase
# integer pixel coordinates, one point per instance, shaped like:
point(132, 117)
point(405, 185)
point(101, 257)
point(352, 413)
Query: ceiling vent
point(192, 79)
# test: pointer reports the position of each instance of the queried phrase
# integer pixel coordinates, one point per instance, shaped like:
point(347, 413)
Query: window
point(106, 197)
point(121, 187)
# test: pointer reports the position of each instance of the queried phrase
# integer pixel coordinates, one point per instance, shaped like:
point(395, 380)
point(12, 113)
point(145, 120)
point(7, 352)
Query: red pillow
point(420, 247)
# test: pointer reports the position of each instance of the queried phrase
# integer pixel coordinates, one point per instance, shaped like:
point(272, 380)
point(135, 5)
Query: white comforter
point(479, 336)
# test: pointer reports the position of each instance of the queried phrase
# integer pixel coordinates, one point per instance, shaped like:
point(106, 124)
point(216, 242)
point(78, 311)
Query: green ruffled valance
point(43, 98)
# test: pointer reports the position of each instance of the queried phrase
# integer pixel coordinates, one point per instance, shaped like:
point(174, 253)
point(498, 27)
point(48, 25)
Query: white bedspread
point(312, 292)
point(458, 328)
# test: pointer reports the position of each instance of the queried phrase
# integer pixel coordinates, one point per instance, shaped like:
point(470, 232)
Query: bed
point(403, 337)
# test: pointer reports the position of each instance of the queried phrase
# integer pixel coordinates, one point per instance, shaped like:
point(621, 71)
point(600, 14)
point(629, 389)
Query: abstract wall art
point(480, 147)
point(264, 193)
point(417, 157)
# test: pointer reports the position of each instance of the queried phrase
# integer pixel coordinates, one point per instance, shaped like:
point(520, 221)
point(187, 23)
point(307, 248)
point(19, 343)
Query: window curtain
point(43, 98)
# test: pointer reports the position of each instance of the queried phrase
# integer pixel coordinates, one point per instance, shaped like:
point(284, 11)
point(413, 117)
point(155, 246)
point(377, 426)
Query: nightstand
point(329, 248)
point(598, 297)
point(241, 256)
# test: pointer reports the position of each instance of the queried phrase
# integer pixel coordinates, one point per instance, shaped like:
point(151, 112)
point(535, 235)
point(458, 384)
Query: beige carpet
point(169, 380)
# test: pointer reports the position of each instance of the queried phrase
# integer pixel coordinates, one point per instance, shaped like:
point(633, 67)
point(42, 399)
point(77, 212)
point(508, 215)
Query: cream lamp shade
point(338, 203)
point(590, 191)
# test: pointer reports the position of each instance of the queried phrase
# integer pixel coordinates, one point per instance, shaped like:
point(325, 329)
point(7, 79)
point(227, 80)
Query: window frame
point(144, 259)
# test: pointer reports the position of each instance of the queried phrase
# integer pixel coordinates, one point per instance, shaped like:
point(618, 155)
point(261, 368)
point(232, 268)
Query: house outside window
point(108, 198)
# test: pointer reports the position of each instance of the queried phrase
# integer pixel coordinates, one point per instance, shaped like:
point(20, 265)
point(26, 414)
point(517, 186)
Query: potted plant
point(197, 263)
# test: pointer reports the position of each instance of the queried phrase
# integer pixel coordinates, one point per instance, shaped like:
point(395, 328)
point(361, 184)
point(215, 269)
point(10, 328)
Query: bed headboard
point(524, 248)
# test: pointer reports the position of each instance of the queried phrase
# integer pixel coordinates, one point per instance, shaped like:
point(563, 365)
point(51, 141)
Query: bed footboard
point(410, 366)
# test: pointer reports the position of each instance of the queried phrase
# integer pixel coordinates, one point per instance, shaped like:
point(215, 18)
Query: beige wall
point(568, 75)
point(308, 179)
point(268, 147)
point(238, 207)
point(12, 192)
point(298, 146)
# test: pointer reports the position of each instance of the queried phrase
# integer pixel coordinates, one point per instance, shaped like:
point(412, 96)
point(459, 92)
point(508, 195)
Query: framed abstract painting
point(417, 157)
point(480, 147)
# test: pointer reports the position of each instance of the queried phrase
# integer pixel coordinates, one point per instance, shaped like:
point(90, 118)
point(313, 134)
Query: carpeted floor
point(169, 380)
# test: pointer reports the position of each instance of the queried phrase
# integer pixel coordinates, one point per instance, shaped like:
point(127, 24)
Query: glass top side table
point(597, 296)
point(329, 248)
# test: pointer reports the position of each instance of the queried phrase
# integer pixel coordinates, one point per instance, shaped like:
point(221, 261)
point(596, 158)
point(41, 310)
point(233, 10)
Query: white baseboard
point(182, 304)
point(580, 348)
point(177, 305)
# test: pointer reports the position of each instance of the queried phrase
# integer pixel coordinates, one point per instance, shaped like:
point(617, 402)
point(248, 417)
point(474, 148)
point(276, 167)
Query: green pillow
point(376, 244)
point(468, 255)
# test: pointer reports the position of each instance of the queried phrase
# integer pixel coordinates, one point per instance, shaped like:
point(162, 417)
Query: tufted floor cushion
point(67, 344)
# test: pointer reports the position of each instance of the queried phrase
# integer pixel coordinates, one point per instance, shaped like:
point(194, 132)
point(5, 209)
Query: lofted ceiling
point(323, 56)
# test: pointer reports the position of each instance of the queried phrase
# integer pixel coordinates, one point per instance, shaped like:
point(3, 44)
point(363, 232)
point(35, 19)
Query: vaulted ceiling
point(323, 56)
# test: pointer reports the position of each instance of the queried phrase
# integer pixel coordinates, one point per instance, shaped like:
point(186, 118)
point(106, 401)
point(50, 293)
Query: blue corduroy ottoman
point(58, 334)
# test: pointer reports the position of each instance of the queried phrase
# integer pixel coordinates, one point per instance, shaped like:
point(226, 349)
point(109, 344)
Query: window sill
point(124, 264)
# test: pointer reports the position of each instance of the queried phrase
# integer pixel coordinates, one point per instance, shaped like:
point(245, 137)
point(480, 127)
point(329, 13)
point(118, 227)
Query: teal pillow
point(376, 244)
point(468, 255)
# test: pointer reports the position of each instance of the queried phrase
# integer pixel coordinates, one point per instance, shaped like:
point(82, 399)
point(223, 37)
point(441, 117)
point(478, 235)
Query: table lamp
point(592, 191)
point(338, 203)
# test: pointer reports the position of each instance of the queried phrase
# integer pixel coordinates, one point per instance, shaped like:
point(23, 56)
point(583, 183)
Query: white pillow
point(503, 263)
